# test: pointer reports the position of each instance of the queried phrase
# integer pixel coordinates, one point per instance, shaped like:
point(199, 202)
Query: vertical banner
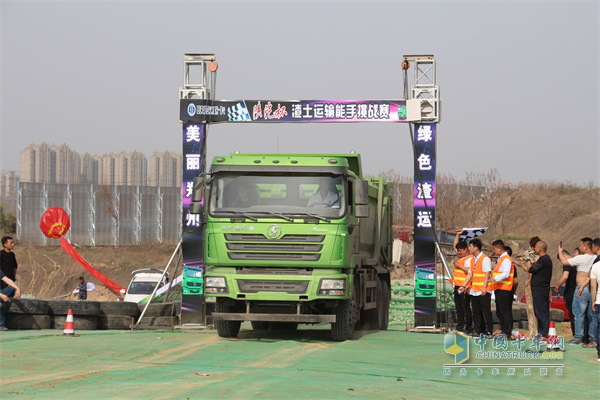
point(192, 240)
point(424, 220)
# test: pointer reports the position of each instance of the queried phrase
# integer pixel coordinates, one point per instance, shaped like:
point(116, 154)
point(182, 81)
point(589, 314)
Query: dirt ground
point(47, 272)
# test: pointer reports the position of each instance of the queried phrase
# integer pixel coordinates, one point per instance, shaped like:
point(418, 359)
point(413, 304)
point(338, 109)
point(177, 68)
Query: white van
point(143, 283)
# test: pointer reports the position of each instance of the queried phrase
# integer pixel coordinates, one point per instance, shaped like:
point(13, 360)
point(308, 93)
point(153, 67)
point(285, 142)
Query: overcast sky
point(518, 82)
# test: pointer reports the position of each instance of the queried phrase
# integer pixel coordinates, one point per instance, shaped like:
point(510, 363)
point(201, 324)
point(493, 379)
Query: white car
point(143, 283)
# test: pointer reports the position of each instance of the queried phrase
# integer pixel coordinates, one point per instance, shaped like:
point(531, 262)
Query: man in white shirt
point(503, 278)
point(595, 289)
point(582, 301)
point(479, 274)
point(326, 196)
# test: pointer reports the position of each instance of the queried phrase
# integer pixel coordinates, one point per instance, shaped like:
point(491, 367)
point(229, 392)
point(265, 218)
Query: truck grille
point(274, 256)
point(288, 248)
point(291, 287)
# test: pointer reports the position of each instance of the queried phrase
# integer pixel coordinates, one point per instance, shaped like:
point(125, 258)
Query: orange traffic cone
point(552, 338)
point(69, 325)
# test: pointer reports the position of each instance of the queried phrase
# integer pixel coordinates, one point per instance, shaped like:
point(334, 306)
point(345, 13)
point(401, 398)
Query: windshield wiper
point(243, 214)
point(313, 216)
point(290, 219)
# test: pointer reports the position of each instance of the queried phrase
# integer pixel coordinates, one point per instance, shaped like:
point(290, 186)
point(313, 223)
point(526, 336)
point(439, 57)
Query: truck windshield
point(141, 287)
point(322, 196)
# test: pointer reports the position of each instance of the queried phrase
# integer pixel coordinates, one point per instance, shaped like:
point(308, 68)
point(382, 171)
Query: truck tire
point(27, 306)
point(62, 307)
point(284, 326)
point(345, 317)
point(226, 329)
point(28, 321)
point(81, 323)
point(126, 308)
point(260, 325)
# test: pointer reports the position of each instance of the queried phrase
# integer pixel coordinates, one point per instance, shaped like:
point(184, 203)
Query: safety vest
point(506, 284)
point(479, 276)
point(459, 275)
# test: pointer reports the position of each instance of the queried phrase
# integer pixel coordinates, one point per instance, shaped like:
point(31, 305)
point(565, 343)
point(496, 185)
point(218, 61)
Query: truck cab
point(296, 239)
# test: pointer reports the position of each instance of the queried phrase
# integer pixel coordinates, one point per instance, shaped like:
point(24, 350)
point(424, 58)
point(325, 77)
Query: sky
point(518, 81)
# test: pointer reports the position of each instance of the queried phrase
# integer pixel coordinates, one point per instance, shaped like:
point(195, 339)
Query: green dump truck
point(296, 238)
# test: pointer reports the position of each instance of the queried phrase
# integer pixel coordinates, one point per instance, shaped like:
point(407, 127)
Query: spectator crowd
point(477, 279)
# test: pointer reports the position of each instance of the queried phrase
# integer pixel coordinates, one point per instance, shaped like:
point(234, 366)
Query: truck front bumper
point(305, 318)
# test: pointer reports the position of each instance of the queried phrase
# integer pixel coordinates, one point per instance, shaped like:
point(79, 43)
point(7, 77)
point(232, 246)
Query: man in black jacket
point(541, 274)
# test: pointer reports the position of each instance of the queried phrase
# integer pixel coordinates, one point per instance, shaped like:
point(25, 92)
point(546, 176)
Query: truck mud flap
point(273, 317)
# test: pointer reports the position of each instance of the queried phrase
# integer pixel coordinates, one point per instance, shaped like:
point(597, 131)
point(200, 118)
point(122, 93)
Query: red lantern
point(55, 223)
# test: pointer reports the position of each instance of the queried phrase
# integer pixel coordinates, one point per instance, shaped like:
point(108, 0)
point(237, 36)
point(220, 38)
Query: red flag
point(115, 287)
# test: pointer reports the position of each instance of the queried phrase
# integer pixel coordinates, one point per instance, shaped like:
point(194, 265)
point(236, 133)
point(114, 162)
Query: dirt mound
point(47, 272)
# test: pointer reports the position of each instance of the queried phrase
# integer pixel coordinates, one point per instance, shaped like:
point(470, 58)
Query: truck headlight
point(216, 281)
point(333, 284)
point(332, 287)
point(216, 285)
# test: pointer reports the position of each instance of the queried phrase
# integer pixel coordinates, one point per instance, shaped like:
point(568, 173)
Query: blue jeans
point(598, 328)
point(581, 306)
point(10, 292)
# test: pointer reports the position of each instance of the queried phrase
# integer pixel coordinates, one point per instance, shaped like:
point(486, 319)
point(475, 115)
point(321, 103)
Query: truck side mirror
point(198, 189)
point(361, 211)
point(361, 193)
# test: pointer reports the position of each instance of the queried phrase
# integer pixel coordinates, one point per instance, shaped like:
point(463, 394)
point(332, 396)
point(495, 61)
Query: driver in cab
point(326, 196)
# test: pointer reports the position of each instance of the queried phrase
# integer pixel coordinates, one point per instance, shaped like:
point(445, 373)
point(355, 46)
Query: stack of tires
point(161, 315)
point(28, 314)
point(117, 315)
point(85, 313)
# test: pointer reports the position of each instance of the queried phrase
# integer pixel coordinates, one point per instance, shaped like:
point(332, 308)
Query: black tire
point(345, 316)
point(28, 321)
point(79, 308)
point(386, 295)
point(157, 310)
point(260, 325)
point(118, 322)
point(81, 322)
point(226, 329)
point(284, 326)
point(113, 308)
point(28, 306)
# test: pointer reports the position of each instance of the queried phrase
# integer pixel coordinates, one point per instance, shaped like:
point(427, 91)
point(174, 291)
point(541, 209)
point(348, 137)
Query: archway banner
point(214, 111)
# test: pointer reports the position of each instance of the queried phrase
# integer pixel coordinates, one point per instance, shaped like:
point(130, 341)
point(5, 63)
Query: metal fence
point(101, 215)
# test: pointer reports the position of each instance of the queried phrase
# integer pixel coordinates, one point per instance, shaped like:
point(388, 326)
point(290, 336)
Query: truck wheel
point(372, 319)
point(386, 296)
point(260, 325)
point(226, 329)
point(284, 326)
point(345, 316)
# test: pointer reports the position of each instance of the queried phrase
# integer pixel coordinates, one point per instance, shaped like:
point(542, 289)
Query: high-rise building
point(38, 163)
point(123, 169)
point(165, 169)
point(68, 164)
point(8, 184)
point(89, 168)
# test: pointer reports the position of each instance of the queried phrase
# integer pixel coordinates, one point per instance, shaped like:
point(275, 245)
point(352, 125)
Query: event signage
point(212, 111)
point(424, 224)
